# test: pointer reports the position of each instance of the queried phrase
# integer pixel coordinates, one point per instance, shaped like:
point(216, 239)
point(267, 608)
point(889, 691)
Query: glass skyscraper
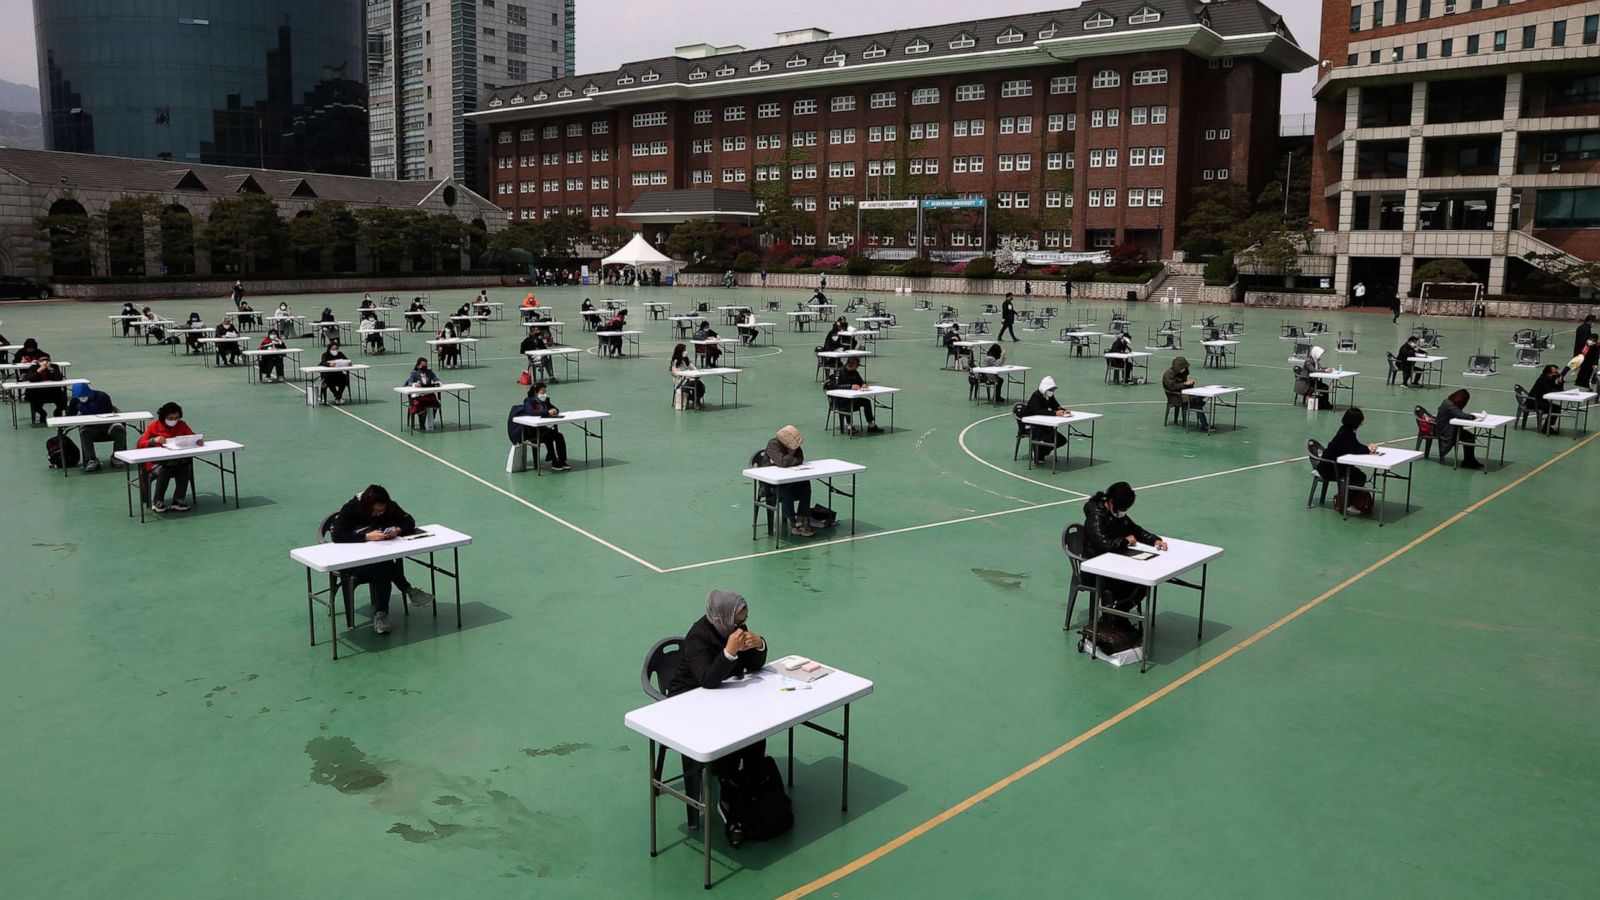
point(276, 84)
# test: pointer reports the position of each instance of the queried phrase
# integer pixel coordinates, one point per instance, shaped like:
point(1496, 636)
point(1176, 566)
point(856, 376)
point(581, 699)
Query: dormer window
point(1144, 16)
point(496, 103)
point(962, 42)
point(760, 65)
point(1098, 21)
point(624, 78)
point(539, 97)
point(564, 92)
point(876, 51)
point(833, 59)
point(590, 89)
point(725, 71)
point(1009, 36)
point(916, 46)
point(698, 74)
point(1048, 32)
point(651, 75)
point(796, 62)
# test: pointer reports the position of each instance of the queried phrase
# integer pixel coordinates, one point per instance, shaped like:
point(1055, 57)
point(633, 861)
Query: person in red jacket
point(169, 424)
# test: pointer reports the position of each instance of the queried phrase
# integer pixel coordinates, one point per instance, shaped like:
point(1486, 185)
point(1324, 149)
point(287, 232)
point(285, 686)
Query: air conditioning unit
point(1449, 8)
point(1550, 157)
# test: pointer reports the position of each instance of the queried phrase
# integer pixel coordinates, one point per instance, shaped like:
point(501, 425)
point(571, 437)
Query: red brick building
point(1091, 125)
point(1456, 129)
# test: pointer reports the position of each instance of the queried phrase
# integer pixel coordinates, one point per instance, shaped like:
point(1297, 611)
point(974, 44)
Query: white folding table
point(136, 459)
point(1081, 343)
point(541, 359)
point(775, 477)
point(1162, 567)
point(799, 320)
point(252, 366)
point(726, 374)
point(1489, 429)
point(215, 343)
point(1216, 396)
point(730, 346)
point(388, 332)
point(707, 724)
point(581, 418)
point(875, 394)
point(1219, 353)
point(1137, 360)
point(1336, 380)
point(1428, 368)
point(358, 380)
point(332, 559)
point(628, 338)
point(1573, 404)
point(466, 347)
point(1070, 421)
point(63, 424)
point(18, 390)
point(836, 358)
point(1384, 465)
point(1009, 375)
point(461, 391)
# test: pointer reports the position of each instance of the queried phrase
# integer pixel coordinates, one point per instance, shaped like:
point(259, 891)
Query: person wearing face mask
point(849, 378)
point(719, 646)
point(335, 382)
point(285, 316)
point(449, 354)
point(373, 516)
point(1043, 403)
point(692, 390)
point(1316, 388)
point(424, 406)
point(1121, 369)
point(1174, 381)
point(271, 365)
point(371, 328)
point(538, 406)
point(228, 352)
point(414, 314)
point(87, 401)
point(1551, 380)
point(43, 370)
point(1402, 361)
point(329, 331)
point(248, 318)
point(1107, 529)
point(711, 352)
point(128, 309)
point(794, 499)
point(168, 424)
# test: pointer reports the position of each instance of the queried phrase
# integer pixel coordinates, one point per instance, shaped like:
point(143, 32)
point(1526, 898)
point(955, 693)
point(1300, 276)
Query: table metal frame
point(329, 597)
point(136, 475)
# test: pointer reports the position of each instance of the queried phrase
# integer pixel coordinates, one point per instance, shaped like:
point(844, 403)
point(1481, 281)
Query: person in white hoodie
point(1043, 403)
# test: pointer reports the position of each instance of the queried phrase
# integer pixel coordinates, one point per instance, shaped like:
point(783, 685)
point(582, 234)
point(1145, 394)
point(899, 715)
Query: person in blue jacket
point(539, 406)
point(87, 401)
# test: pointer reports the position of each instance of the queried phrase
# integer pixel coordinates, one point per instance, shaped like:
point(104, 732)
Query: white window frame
point(702, 117)
point(1138, 115)
point(917, 46)
point(1135, 197)
point(1055, 122)
point(733, 113)
point(876, 51)
point(924, 96)
point(1158, 156)
point(806, 107)
point(1158, 115)
point(966, 93)
point(1064, 84)
point(769, 110)
point(1149, 76)
point(1017, 87)
point(842, 103)
point(882, 100)
point(1107, 78)
point(1098, 22)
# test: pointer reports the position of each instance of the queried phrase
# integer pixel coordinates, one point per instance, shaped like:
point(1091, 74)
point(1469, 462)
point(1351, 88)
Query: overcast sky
point(611, 32)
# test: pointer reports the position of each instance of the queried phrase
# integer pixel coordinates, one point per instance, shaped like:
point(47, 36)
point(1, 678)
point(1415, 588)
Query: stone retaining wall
point(993, 287)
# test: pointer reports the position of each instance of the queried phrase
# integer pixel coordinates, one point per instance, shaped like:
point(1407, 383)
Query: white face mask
point(543, 397)
point(172, 423)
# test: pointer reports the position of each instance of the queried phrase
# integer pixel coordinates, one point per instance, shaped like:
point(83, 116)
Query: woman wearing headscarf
point(1043, 403)
point(1315, 387)
point(719, 646)
point(1175, 381)
point(794, 499)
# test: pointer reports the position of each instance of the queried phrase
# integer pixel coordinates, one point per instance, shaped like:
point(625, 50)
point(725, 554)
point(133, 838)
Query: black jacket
point(1041, 405)
point(1105, 533)
point(847, 378)
point(1448, 434)
point(701, 663)
point(1344, 442)
point(1547, 385)
point(1581, 338)
point(351, 527)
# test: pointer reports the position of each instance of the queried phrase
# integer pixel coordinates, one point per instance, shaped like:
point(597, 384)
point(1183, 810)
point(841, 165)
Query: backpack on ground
point(754, 804)
point(822, 517)
point(62, 452)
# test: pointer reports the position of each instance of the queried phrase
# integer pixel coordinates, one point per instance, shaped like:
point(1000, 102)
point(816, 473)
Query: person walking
point(1008, 320)
point(238, 294)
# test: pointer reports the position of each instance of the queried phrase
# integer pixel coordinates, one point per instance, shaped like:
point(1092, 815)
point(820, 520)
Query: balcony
point(1456, 157)
point(1382, 159)
point(1467, 100)
point(1453, 211)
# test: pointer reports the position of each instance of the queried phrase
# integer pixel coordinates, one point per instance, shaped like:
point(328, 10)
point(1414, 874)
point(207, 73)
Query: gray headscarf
point(722, 607)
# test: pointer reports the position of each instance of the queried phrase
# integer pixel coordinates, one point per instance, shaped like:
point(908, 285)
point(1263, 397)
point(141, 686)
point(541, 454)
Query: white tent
point(638, 252)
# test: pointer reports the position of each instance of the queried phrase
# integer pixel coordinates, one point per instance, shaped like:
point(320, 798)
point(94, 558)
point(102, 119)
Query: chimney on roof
point(701, 51)
point(802, 36)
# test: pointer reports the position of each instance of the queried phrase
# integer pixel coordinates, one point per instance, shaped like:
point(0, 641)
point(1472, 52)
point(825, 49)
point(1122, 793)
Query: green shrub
point(747, 261)
point(980, 268)
point(917, 268)
point(1220, 270)
point(1083, 271)
point(858, 265)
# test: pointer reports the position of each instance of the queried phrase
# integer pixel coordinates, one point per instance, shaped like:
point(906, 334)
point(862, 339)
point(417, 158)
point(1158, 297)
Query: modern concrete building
point(1090, 125)
point(35, 183)
point(430, 61)
point(274, 84)
point(1458, 129)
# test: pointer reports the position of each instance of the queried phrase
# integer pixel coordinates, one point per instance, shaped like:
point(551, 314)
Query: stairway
point(1183, 287)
